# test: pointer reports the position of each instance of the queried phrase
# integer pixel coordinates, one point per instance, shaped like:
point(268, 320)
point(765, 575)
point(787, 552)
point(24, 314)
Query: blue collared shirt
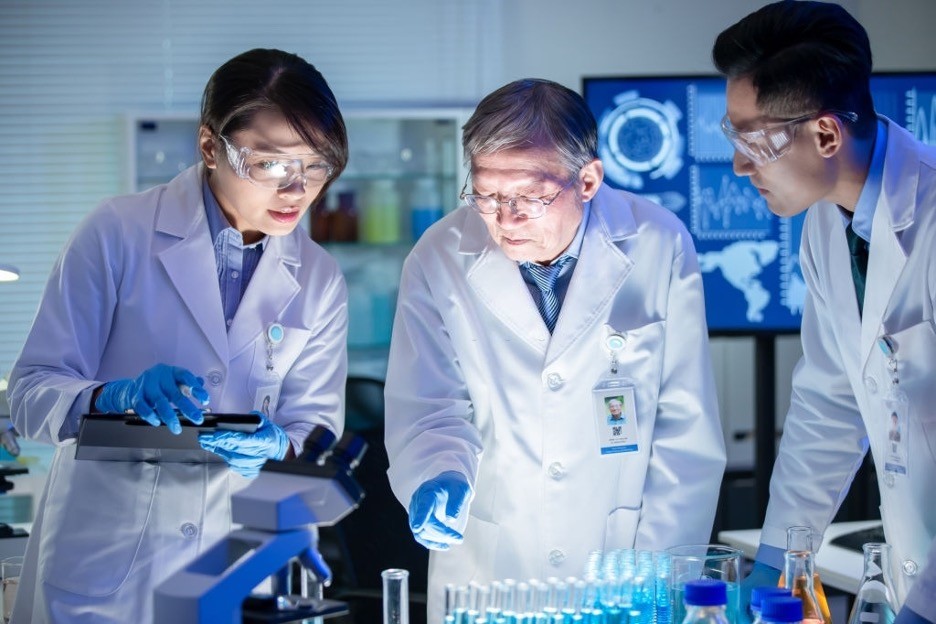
point(565, 273)
point(236, 262)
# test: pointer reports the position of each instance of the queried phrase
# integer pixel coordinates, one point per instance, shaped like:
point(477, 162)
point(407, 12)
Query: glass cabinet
point(404, 172)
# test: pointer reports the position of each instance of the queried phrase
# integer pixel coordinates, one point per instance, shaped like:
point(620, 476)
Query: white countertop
point(838, 567)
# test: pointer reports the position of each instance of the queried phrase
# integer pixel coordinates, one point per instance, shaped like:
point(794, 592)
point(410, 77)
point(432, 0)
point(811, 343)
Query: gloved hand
point(435, 509)
point(152, 395)
point(761, 575)
point(246, 453)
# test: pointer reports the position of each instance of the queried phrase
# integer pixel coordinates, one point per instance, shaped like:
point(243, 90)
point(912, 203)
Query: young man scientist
point(519, 315)
point(805, 132)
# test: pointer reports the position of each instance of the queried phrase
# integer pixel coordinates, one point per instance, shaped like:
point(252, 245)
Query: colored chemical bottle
point(705, 602)
point(782, 610)
point(799, 574)
point(875, 600)
point(343, 222)
point(380, 220)
point(759, 594)
point(425, 206)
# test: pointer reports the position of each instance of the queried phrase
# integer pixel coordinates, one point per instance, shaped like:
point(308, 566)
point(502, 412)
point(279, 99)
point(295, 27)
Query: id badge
point(267, 396)
point(896, 408)
point(615, 412)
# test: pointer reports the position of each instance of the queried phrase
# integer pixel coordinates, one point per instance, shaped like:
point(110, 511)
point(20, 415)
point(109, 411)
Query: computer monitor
point(660, 136)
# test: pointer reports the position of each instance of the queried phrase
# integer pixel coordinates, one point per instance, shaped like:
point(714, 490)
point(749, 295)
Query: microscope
point(279, 514)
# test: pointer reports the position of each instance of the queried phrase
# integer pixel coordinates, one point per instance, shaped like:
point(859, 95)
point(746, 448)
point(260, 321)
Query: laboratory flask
point(875, 600)
point(799, 574)
point(704, 601)
point(395, 596)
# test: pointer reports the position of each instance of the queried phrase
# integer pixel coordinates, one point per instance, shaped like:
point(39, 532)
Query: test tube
point(395, 596)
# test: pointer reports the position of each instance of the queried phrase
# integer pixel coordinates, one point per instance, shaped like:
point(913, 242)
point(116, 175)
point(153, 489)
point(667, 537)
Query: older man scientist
point(500, 373)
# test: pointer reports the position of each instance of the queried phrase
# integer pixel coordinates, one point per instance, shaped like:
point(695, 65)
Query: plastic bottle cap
point(782, 609)
point(759, 594)
point(706, 593)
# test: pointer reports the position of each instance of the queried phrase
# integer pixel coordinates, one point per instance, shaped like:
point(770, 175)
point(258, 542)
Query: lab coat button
point(556, 471)
point(910, 567)
point(214, 377)
point(556, 556)
point(870, 384)
point(889, 479)
point(189, 530)
point(554, 381)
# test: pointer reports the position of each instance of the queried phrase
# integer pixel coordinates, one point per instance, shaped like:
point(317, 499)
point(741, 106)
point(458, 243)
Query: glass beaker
point(395, 596)
point(10, 570)
point(875, 600)
point(705, 561)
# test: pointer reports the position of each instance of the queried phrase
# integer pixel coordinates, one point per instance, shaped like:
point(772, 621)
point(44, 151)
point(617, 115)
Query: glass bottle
point(705, 602)
point(395, 596)
point(799, 574)
point(782, 610)
point(759, 594)
point(875, 600)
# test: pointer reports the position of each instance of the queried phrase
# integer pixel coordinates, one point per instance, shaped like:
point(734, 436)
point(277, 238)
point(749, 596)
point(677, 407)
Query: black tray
point(119, 437)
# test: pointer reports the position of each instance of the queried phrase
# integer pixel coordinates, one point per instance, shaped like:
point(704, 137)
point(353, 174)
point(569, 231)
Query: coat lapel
point(497, 282)
point(893, 214)
point(600, 271)
point(187, 254)
point(272, 287)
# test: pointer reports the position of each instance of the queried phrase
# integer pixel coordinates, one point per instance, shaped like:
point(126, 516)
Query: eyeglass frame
point(511, 201)
point(237, 158)
point(740, 139)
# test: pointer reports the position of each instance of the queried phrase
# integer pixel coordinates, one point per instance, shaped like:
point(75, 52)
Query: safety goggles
point(277, 171)
point(771, 142)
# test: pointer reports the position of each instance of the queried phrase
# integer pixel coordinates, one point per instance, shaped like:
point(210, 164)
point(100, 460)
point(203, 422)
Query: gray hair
point(533, 113)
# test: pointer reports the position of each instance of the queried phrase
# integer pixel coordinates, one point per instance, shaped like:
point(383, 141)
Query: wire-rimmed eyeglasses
point(520, 207)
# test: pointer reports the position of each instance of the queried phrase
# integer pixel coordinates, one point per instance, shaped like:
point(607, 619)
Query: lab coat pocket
point(474, 560)
point(621, 528)
point(93, 523)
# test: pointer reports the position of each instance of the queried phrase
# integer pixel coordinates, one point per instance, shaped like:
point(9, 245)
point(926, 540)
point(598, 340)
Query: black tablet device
point(122, 437)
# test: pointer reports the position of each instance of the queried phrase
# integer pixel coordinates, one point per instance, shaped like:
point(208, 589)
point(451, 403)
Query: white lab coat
point(477, 385)
point(836, 408)
point(137, 285)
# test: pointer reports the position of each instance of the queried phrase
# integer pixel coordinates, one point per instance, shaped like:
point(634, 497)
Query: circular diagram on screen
point(640, 137)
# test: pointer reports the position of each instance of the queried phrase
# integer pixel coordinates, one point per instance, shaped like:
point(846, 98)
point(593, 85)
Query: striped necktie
point(858, 248)
point(545, 278)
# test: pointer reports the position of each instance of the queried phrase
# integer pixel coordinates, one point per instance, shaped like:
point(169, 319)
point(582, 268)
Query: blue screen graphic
point(661, 137)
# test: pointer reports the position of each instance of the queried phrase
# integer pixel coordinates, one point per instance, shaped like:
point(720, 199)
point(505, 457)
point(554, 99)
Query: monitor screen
point(661, 137)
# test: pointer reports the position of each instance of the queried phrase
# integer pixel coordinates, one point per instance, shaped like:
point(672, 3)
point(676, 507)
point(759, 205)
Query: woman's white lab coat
point(836, 408)
point(136, 285)
point(477, 385)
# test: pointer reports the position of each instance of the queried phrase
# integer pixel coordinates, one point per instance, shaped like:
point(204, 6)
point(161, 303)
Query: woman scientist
point(197, 293)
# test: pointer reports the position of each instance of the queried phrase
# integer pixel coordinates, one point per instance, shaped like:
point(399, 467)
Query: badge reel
point(267, 395)
point(896, 407)
point(615, 405)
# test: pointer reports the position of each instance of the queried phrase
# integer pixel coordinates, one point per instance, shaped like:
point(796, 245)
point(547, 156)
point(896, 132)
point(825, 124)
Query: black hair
point(284, 83)
point(801, 57)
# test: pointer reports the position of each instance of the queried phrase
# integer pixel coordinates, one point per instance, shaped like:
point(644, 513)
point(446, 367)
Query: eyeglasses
point(276, 171)
point(771, 142)
point(520, 207)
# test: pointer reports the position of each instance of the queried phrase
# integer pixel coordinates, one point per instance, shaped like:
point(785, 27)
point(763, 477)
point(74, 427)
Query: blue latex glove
point(762, 575)
point(244, 452)
point(153, 394)
point(436, 508)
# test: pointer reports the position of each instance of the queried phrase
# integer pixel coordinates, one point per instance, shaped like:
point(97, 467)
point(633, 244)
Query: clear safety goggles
point(277, 171)
point(771, 142)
